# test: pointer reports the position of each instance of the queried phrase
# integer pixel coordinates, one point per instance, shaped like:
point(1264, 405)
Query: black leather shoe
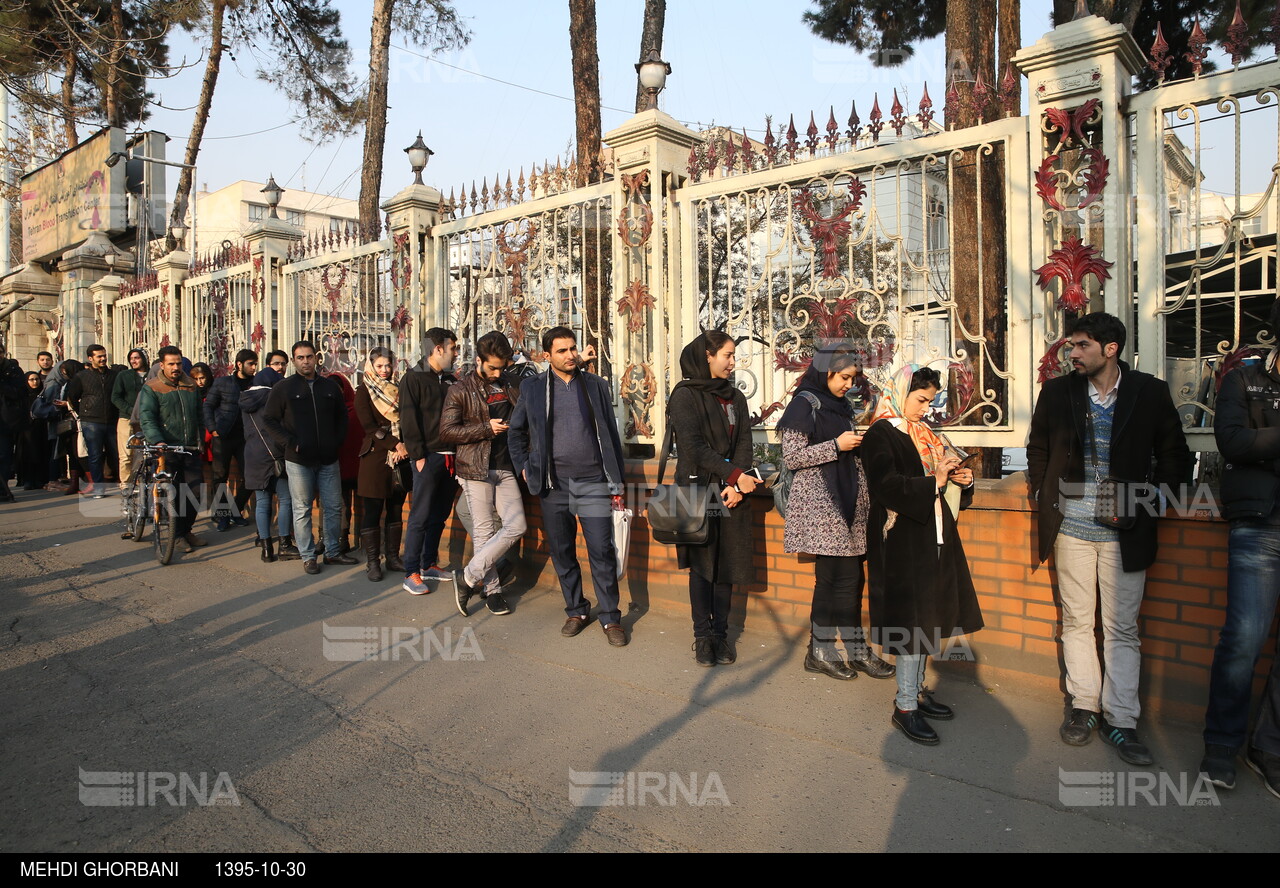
point(704, 651)
point(927, 707)
point(1077, 730)
point(873, 666)
point(724, 651)
point(834, 668)
point(574, 625)
point(310, 566)
point(912, 724)
point(340, 559)
point(1132, 750)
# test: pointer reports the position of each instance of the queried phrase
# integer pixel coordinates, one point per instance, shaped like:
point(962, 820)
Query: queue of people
point(874, 497)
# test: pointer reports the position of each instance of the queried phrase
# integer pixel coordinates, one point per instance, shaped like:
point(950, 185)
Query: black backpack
point(782, 484)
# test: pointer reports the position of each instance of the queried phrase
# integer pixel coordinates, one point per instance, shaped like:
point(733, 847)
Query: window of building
point(295, 217)
point(257, 212)
point(335, 225)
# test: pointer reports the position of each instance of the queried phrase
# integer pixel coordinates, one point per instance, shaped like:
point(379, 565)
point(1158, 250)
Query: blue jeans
point(96, 435)
point(1253, 588)
point(910, 677)
point(429, 507)
point(284, 511)
point(304, 483)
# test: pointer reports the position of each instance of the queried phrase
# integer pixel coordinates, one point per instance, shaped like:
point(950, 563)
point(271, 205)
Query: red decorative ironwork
point(332, 291)
point(877, 119)
point(401, 321)
point(1095, 175)
point(257, 285)
point(401, 267)
point(166, 307)
point(516, 257)
point(164, 341)
point(517, 324)
point(979, 97)
point(1051, 363)
point(854, 132)
point(633, 304)
point(1237, 42)
point(833, 130)
point(729, 153)
point(258, 337)
point(1072, 262)
point(140, 318)
point(770, 146)
point(748, 154)
point(97, 322)
point(694, 168)
point(827, 230)
point(1009, 91)
point(897, 118)
point(1070, 122)
point(926, 109)
point(811, 136)
point(792, 143)
point(1234, 360)
point(638, 389)
point(635, 222)
point(1047, 184)
point(964, 389)
point(1197, 48)
point(951, 104)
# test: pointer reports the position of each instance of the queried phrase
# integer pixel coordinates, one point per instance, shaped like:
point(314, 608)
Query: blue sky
point(734, 62)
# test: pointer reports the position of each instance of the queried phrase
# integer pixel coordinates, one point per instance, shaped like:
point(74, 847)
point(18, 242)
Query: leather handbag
point(678, 512)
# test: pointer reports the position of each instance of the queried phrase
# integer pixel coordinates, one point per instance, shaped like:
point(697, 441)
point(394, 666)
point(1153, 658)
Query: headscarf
point(833, 417)
point(927, 442)
point(266, 377)
point(344, 385)
point(708, 391)
point(202, 393)
point(32, 393)
point(384, 393)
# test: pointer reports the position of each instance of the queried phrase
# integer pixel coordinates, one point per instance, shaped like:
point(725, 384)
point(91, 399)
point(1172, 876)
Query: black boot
point(268, 550)
point(289, 549)
point(863, 659)
point(371, 540)
point(6, 495)
point(822, 658)
point(391, 550)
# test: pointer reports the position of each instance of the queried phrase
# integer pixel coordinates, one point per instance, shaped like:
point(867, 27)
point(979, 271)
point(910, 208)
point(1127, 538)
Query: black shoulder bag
point(678, 512)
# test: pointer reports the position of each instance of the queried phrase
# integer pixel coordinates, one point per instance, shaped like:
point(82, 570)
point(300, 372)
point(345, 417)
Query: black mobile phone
point(965, 462)
point(754, 472)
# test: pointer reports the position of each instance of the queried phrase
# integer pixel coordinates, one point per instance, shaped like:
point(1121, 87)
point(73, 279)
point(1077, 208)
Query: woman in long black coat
point(713, 440)
point(260, 463)
point(32, 453)
point(377, 405)
point(920, 589)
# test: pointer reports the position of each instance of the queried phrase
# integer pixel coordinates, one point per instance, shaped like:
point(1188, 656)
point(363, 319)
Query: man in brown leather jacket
point(475, 420)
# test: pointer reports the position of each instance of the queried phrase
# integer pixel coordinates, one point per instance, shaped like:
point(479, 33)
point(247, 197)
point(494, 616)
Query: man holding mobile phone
point(475, 419)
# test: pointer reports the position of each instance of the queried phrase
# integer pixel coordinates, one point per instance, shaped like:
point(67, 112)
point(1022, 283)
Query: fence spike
point(833, 129)
point(897, 119)
point(854, 131)
point(1197, 48)
point(730, 150)
point(748, 156)
point(1160, 57)
point(770, 146)
point(926, 109)
point(877, 122)
point(792, 143)
point(1237, 42)
point(520, 187)
point(811, 136)
point(951, 106)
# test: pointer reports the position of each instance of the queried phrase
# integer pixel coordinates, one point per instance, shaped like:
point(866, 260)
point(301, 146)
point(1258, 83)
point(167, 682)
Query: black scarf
point(710, 391)
point(833, 417)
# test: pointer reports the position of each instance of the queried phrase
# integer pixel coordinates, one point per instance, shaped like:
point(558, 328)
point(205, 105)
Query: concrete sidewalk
point(474, 734)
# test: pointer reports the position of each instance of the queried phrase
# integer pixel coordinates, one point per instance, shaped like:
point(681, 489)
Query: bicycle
point(154, 497)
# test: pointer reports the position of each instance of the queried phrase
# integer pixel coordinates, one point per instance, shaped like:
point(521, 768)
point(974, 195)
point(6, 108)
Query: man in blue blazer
point(564, 443)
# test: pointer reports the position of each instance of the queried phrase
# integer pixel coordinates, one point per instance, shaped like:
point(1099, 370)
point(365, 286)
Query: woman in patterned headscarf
point(383, 479)
point(920, 589)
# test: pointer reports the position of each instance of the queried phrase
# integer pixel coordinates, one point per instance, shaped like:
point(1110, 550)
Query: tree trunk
point(375, 131)
point(655, 17)
point(115, 53)
point(1009, 22)
point(198, 121)
point(586, 89)
point(68, 96)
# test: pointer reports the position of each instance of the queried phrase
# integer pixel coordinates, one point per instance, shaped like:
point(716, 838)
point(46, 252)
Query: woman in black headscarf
point(827, 513)
point(52, 407)
point(32, 455)
point(713, 435)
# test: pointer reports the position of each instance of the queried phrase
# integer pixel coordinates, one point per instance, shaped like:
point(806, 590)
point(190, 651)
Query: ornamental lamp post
point(653, 73)
point(273, 192)
point(419, 154)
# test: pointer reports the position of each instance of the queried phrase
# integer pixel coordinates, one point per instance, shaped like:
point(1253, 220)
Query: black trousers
point(588, 505)
point(371, 519)
point(710, 604)
point(837, 597)
point(224, 450)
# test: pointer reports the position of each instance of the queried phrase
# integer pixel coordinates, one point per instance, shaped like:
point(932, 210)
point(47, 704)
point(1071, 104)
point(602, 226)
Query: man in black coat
point(1104, 421)
point(564, 443)
point(89, 394)
point(306, 419)
point(1246, 423)
point(422, 392)
point(222, 419)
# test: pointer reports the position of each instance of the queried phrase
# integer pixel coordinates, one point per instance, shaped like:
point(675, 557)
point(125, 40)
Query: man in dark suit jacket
point(1104, 421)
point(222, 418)
point(564, 442)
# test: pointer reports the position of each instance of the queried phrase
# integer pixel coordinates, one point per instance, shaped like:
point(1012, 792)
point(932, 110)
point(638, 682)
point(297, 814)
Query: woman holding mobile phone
point(920, 588)
point(827, 514)
point(713, 435)
point(383, 457)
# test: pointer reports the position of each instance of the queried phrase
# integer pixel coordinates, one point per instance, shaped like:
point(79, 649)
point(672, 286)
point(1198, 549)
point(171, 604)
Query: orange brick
point(1161, 610)
point(1041, 646)
point(1208, 577)
point(1191, 556)
point(1205, 616)
point(1004, 639)
point(1158, 648)
point(1194, 654)
point(1175, 631)
point(1000, 605)
point(1162, 570)
point(1040, 611)
point(1197, 535)
point(1177, 592)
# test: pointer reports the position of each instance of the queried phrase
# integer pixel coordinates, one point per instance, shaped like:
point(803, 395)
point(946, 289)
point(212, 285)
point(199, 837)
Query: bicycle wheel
point(166, 522)
point(136, 512)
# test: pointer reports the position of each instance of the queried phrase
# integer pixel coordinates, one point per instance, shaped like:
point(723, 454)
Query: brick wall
point(1181, 614)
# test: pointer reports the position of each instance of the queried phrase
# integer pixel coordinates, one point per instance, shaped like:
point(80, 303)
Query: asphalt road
point(474, 734)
